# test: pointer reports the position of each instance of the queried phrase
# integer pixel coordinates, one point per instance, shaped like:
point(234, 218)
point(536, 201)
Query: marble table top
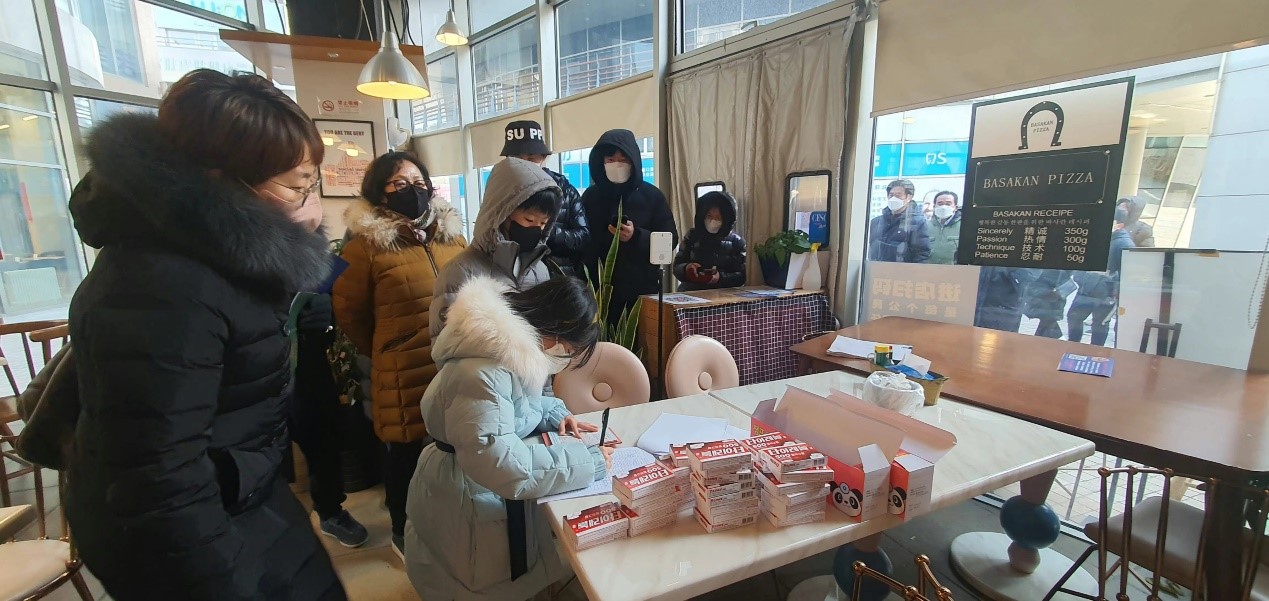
point(684, 561)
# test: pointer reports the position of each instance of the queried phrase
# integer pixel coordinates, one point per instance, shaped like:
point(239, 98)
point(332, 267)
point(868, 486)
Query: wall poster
point(350, 147)
point(1043, 176)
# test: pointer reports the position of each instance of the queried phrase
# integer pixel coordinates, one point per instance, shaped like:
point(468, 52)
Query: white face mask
point(560, 358)
point(944, 211)
point(895, 204)
point(713, 226)
point(618, 173)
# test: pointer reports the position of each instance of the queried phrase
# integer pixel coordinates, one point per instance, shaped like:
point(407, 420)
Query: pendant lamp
point(389, 74)
point(449, 33)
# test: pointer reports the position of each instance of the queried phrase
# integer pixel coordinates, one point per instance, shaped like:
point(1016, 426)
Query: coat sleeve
point(571, 233)
point(684, 256)
point(352, 297)
point(480, 423)
point(451, 277)
point(662, 221)
point(159, 394)
point(919, 242)
point(731, 270)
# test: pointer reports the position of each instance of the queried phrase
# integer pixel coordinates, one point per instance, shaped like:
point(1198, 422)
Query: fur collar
point(383, 228)
point(481, 323)
point(141, 190)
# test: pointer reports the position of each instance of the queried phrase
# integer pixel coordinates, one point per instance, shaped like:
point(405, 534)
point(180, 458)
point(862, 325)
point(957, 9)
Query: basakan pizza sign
point(1043, 177)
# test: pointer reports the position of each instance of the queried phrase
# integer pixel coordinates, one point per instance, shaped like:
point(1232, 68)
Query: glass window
point(90, 111)
point(451, 189)
point(20, 52)
point(708, 21)
point(505, 68)
point(39, 252)
point(487, 13)
point(429, 18)
point(234, 9)
point(276, 17)
point(806, 202)
point(1187, 123)
point(440, 110)
point(141, 48)
point(602, 42)
point(575, 164)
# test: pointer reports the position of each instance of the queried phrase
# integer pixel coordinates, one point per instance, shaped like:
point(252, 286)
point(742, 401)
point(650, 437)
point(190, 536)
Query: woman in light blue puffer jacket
point(470, 534)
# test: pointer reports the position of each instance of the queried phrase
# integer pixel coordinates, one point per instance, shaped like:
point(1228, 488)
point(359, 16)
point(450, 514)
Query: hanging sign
point(1042, 178)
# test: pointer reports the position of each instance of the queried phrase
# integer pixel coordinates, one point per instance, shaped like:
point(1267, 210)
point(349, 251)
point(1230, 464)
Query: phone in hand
point(617, 220)
point(707, 271)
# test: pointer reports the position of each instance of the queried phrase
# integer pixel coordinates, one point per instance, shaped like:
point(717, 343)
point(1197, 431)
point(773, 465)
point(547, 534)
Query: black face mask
point(410, 202)
point(527, 237)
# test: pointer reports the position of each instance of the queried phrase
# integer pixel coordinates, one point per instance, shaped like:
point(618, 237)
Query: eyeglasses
point(400, 184)
point(306, 191)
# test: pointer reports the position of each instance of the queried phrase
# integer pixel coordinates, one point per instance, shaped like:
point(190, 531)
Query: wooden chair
point(35, 568)
point(699, 364)
point(614, 377)
point(926, 589)
point(45, 333)
point(1158, 533)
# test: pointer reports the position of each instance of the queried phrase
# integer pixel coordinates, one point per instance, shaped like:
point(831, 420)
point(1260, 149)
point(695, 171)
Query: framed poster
point(1042, 177)
point(350, 147)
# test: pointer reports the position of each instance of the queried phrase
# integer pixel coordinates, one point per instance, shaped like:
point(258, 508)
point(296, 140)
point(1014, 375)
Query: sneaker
point(343, 528)
point(398, 546)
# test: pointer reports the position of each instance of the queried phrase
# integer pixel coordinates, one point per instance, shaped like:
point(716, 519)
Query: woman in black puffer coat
point(712, 254)
point(205, 218)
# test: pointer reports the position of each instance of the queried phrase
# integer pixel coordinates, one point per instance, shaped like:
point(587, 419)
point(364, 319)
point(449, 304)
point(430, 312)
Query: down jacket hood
point(616, 139)
point(141, 190)
point(1136, 206)
point(481, 324)
point(389, 232)
point(726, 204)
point(511, 182)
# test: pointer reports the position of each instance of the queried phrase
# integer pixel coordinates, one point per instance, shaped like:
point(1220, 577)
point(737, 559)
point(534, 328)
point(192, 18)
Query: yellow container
point(932, 388)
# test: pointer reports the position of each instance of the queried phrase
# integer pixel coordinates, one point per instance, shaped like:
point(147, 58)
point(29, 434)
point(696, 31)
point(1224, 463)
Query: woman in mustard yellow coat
point(400, 238)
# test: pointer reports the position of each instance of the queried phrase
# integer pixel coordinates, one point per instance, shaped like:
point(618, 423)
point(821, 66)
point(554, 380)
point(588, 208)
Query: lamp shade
point(388, 74)
point(449, 33)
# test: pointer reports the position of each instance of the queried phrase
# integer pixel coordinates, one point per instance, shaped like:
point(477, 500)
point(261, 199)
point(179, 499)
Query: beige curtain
point(751, 120)
point(932, 52)
point(578, 121)
point(442, 153)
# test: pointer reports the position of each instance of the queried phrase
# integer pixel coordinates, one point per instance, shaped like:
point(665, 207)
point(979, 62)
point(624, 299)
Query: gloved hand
point(316, 315)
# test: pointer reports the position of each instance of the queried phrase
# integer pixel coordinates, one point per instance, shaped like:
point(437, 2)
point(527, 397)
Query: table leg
point(1019, 564)
point(1223, 559)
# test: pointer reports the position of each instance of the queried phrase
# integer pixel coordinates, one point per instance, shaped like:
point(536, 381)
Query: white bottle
point(811, 277)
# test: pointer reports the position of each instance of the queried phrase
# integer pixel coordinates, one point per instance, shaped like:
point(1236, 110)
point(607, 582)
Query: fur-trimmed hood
point(141, 190)
point(482, 324)
point(385, 230)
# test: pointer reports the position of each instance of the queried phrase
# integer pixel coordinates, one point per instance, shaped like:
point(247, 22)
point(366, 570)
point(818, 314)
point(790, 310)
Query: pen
point(603, 428)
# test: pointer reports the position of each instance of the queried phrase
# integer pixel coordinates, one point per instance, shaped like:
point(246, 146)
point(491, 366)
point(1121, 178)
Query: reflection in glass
point(807, 202)
point(139, 48)
point(91, 111)
point(709, 21)
point(20, 52)
point(39, 252)
point(602, 42)
point(440, 110)
point(505, 68)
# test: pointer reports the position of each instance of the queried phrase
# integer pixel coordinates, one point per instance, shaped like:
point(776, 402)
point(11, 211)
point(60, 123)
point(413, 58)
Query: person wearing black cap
point(615, 169)
point(570, 236)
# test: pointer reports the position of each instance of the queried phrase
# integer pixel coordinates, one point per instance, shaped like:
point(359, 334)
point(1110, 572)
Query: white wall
point(317, 81)
point(1230, 209)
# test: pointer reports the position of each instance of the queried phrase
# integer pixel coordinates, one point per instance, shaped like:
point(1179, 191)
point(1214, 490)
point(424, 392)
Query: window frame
point(458, 95)
point(828, 210)
point(559, 71)
point(484, 36)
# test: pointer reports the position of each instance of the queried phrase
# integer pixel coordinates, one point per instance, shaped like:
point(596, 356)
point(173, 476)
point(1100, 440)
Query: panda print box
point(858, 448)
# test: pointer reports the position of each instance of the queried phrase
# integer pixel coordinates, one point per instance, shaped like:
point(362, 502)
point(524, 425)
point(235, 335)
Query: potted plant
point(774, 254)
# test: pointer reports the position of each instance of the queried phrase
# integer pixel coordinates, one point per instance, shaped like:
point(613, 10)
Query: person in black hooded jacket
point(617, 175)
point(712, 254)
point(207, 225)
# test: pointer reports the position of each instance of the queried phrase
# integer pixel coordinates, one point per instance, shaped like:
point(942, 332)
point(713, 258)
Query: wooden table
point(1197, 419)
point(683, 561)
point(739, 341)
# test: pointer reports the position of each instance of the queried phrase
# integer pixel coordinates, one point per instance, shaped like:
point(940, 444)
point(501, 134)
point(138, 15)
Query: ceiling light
point(30, 117)
point(449, 33)
point(909, 120)
point(1159, 120)
point(1144, 115)
point(4, 126)
point(389, 74)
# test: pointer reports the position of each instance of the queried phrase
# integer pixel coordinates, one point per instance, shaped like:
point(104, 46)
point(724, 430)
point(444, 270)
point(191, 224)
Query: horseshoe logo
point(1039, 108)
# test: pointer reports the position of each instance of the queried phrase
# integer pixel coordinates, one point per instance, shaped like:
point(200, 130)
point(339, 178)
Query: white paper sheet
point(624, 459)
point(683, 299)
point(851, 347)
point(673, 428)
